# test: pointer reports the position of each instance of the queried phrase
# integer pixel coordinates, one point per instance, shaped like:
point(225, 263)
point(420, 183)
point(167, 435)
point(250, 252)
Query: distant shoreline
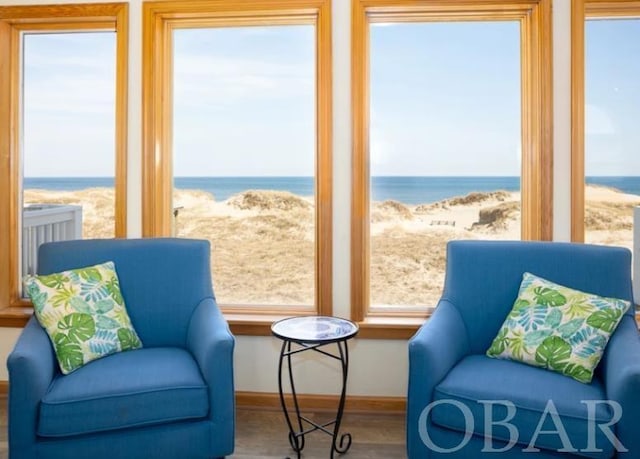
point(404, 189)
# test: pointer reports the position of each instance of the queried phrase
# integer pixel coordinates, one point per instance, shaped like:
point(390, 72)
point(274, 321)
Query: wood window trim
point(537, 124)
point(14, 310)
point(260, 325)
point(581, 10)
point(159, 19)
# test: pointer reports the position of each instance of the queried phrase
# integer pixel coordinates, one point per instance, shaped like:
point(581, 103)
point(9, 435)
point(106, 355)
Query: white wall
point(562, 120)
point(378, 367)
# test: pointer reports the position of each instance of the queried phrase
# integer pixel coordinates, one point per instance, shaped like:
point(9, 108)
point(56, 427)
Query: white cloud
point(598, 121)
point(435, 143)
point(69, 105)
point(70, 149)
point(202, 80)
point(243, 115)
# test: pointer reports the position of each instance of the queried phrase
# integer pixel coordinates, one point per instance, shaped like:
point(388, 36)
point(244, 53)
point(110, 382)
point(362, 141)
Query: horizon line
point(308, 176)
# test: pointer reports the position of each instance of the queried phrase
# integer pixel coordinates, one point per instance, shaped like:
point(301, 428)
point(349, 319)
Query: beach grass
point(262, 242)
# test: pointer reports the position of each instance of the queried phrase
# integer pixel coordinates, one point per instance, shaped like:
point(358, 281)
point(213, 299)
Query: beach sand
point(262, 242)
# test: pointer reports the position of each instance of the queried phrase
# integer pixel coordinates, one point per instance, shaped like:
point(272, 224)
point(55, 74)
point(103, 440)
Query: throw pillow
point(558, 328)
point(83, 312)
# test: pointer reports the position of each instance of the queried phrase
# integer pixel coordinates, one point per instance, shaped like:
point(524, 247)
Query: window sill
point(240, 324)
point(401, 328)
point(373, 327)
point(253, 324)
point(15, 316)
point(370, 328)
point(260, 324)
point(384, 327)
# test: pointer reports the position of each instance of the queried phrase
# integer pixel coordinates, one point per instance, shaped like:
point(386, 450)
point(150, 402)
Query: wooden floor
point(263, 435)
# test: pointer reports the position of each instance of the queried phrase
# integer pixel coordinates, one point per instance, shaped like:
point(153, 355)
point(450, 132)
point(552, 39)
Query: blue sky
point(244, 101)
point(445, 100)
point(612, 88)
point(69, 104)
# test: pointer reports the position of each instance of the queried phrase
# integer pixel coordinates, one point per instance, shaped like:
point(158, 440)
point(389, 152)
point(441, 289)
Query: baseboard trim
point(316, 402)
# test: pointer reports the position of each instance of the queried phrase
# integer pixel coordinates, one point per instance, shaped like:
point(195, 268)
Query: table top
point(314, 329)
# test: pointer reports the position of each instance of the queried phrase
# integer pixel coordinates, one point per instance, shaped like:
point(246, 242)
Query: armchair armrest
point(622, 382)
point(32, 367)
point(212, 344)
point(433, 351)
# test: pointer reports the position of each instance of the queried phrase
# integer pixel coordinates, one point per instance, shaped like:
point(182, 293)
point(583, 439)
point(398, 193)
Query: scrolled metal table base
point(340, 443)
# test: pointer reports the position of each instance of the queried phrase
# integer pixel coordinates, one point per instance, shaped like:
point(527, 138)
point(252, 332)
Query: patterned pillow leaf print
point(606, 320)
point(553, 353)
point(553, 318)
point(558, 328)
point(128, 339)
point(534, 338)
point(531, 318)
point(104, 342)
point(84, 314)
point(548, 297)
point(69, 354)
point(77, 326)
point(587, 342)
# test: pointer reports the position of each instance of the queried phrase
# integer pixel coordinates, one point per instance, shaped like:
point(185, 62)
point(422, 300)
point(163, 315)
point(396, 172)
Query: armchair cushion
point(529, 389)
point(83, 312)
point(130, 389)
point(558, 328)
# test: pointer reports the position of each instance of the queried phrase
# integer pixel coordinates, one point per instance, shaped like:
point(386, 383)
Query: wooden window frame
point(160, 18)
point(14, 20)
point(534, 17)
point(581, 11)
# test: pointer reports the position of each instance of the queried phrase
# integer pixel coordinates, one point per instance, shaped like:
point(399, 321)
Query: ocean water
point(409, 190)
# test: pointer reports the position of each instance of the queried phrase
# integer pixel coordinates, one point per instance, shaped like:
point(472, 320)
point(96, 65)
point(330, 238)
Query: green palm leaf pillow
point(83, 312)
point(558, 328)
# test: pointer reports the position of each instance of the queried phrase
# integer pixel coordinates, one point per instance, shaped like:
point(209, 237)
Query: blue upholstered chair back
point(483, 277)
point(162, 280)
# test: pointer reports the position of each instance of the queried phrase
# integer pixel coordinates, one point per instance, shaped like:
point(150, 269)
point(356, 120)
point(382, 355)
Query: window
point(605, 173)
point(237, 147)
point(68, 82)
point(451, 140)
point(606, 164)
point(64, 129)
point(243, 157)
point(428, 183)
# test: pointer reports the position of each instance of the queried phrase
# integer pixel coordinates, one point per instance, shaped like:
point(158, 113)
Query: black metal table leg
point(296, 438)
point(344, 444)
point(311, 334)
point(339, 443)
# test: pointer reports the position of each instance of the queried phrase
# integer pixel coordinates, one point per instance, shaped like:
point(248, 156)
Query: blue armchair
point(452, 382)
point(174, 398)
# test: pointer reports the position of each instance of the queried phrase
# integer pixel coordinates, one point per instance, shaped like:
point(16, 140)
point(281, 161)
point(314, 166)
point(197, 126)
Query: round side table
point(310, 334)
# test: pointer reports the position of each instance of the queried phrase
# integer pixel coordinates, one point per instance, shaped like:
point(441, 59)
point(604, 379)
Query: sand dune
point(262, 242)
